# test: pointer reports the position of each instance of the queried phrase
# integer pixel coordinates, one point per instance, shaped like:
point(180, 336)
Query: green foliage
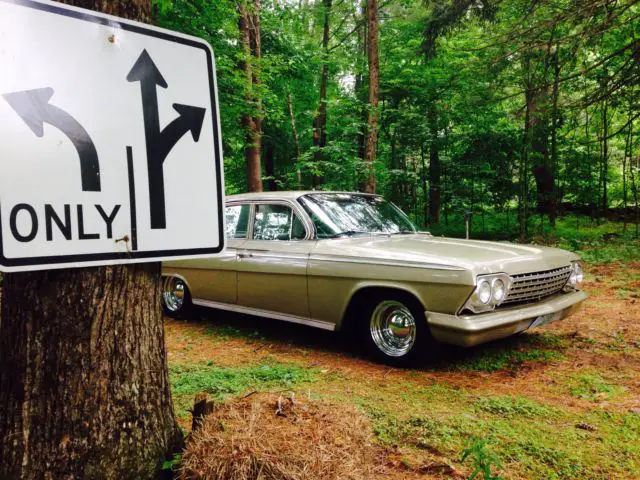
point(484, 461)
point(454, 78)
point(173, 464)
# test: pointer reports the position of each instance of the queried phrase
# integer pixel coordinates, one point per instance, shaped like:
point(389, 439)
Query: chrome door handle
point(244, 255)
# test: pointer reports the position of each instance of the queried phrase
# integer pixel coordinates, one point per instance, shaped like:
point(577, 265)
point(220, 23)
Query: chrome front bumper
point(469, 330)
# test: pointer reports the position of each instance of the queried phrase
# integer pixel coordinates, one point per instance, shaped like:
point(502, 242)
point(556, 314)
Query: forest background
point(523, 114)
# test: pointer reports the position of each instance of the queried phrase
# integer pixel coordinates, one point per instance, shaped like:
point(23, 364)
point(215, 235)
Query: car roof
point(279, 195)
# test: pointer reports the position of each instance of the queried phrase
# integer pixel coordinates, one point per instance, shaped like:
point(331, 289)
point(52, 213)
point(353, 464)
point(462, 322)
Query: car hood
point(477, 256)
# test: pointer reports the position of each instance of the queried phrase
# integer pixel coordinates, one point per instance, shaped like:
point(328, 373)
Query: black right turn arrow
point(35, 110)
point(159, 143)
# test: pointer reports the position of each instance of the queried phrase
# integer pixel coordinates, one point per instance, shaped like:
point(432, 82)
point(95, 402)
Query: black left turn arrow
point(35, 110)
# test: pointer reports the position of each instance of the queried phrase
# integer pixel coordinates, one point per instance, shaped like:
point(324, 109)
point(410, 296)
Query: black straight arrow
point(35, 110)
point(159, 143)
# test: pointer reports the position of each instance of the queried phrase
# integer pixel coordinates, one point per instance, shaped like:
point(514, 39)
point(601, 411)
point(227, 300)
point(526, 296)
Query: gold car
point(336, 260)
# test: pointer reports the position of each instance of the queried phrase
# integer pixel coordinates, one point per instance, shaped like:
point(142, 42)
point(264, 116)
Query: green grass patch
point(534, 440)
point(591, 386)
point(224, 332)
point(512, 407)
point(220, 383)
point(490, 360)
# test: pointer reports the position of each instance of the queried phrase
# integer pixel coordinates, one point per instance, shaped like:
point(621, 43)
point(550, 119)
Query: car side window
point(277, 222)
point(237, 217)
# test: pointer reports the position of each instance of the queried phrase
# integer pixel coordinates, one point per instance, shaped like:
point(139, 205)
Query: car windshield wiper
point(346, 233)
point(404, 232)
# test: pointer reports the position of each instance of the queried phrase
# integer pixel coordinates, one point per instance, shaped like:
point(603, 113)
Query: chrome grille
point(531, 287)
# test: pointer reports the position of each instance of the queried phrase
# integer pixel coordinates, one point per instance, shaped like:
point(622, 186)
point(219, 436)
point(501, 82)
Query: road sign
point(109, 141)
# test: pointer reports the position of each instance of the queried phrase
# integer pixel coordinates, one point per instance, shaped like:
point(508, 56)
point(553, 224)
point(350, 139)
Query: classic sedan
point(338, 261)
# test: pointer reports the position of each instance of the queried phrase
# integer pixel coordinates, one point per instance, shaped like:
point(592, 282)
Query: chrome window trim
point(361, 194)
point(387, 263)
point(266, 313)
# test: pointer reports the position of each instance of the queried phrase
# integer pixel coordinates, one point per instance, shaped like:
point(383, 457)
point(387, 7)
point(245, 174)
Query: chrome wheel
point(393, 328)
point(173, 295)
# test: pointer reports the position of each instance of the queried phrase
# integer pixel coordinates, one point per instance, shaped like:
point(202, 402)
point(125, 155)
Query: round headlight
point(484, 292)
point(578, 273)
point(498, 290)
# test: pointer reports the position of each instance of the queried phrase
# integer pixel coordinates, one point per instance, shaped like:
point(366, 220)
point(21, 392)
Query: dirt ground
point(561, 401)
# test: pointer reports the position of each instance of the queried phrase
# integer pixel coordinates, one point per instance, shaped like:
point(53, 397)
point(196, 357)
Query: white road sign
point(109, 141)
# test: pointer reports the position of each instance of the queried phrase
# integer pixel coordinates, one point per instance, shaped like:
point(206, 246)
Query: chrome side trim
point(388, 263)
point(282, 256)
point(265, 313)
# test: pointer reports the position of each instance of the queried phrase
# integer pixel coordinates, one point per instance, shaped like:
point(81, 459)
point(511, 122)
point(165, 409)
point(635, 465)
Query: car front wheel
point(176, 300)
point(395, 331)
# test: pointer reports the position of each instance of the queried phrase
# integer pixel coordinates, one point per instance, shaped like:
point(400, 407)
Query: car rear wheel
point(394, 330)
point(176, 300)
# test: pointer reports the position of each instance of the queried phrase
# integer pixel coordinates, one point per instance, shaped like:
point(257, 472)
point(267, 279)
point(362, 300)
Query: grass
point(591, 386)
point(494, 360)
point(511, 354)
point(221, 383)
point(539, 441)
point(509, 407)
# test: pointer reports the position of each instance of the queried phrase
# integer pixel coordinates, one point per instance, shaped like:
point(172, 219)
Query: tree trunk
point(374, 88)
point(84, 387)
point(627, 144)
point(605, 156)
point(425, 203)
point(360, 91)
point(296, 140)
point(434, 166)
point(249, 26)
point(553, 200)
point(270, 166)
point(320, 120)
point(524, 164)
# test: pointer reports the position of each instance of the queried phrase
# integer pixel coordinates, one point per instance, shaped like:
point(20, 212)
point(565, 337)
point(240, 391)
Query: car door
point(272, 264)
point(216, 279)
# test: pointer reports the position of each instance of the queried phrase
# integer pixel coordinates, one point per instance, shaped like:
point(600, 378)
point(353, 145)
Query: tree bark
point(360, 91)
point(270, 166)
point(296, 140)
point(605, 156)
point(84, 387)
point(249, 26)
point(434, 166)
point(523, 180)
point(320, 119)
point(374, 89)
point(425, 203)
point(553, 200)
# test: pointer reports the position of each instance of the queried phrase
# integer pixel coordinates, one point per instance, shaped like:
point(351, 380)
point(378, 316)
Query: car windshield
point(342, 214)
